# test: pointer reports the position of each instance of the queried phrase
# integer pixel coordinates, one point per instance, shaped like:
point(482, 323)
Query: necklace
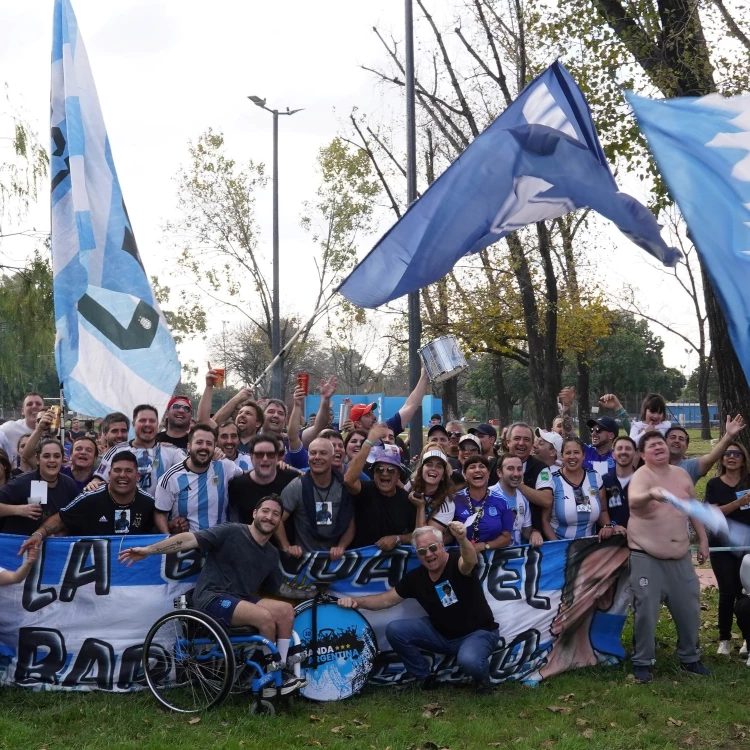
point(479, 510)
point(319, 494)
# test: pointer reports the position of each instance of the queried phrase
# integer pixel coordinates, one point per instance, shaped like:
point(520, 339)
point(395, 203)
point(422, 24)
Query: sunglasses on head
point(385, 469)
point(732, 454)
point(422, 551)
point(264, 454)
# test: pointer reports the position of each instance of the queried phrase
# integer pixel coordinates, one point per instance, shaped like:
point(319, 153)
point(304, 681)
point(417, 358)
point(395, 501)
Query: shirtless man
point(661, 567)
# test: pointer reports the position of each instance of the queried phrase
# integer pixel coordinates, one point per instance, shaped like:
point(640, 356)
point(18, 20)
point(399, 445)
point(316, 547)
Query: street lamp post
point(276, 376)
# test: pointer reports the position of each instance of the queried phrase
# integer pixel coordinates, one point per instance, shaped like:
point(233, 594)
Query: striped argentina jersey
point(152, 462)
point(575, 510)
point(201, 498)
point(244, 461)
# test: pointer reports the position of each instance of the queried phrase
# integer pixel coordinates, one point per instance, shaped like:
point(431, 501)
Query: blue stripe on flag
point(75, 134)
point(57, 32)
point(86, 239)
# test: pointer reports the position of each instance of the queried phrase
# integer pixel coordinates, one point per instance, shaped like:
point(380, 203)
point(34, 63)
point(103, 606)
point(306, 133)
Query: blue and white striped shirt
point(152, 463)
point(575, 510)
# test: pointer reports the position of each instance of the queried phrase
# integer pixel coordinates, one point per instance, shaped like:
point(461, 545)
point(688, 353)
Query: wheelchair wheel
point(188, 661)
point(262, 708)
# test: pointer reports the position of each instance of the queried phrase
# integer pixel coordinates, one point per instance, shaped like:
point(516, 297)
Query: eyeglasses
point(180, 407)
point(385, 469)
point(455, 434)
point(422, 551)
point(264, 454)
point(732, 454)
point(468, 449)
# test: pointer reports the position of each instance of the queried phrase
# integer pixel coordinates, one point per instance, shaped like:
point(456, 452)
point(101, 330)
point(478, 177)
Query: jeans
point(472, 651)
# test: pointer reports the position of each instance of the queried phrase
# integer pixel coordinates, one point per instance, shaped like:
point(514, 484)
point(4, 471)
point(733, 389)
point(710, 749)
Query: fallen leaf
point(547, 743)
point(313, 717)
point(630, 678)
point(195, 720)
point(740, 726)
point(687, 740)
point(336, 730)
point(313, 742)
point(225, 723)
point(560, 709)
point(581, 722)
point(147, 721)
point(359, 723)
point(588, 734)
point(588, 703)
point(432, 711)
point(613, 723)
point(499, 744)
point(566, 698)
point(674, 722)
point(522, 715)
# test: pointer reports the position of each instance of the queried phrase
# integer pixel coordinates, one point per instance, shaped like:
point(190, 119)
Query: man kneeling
point(239, 563)
point(459, 619)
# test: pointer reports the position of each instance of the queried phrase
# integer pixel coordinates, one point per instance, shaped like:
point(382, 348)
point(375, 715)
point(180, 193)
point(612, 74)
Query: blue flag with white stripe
point(113, 347)
point(540, 159)
point(702, 148)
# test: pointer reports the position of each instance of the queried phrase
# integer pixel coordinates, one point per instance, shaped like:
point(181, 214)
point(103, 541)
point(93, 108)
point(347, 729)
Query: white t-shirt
point(10, 434)
point(637, 429)
point(201, 498)
point(521, 511)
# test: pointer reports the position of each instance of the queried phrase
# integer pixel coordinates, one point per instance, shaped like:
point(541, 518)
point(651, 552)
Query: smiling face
point(544, 451)
point(511, 472)
point(247, 421)
point(179, 415)
point(145, 425)
point(467, 448)
point(50, 462)
point(623, 453)
point(274, 418)
point(354, 445)
point(733, 460)
point(32, 405)
point(267, 517)
point(653, 417)
point(572, 456)
point(601, 438)
point(201, 448)
point(265, 459)
point(386, 478)
point(432, 560)
point(677, 443)
point(83, 455)
point(123, 477)
point(520, 442)
point(339, 452)
point(441, 439)
point(320, 456)
point(433, 470)
point(557, 426)
point(228, 439)
point(116, 433)
point(477, 476)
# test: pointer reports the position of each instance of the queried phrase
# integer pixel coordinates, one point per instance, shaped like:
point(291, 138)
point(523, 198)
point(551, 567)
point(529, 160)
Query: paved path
point(706, 577)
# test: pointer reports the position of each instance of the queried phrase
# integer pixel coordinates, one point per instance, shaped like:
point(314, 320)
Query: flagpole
point(415, 321)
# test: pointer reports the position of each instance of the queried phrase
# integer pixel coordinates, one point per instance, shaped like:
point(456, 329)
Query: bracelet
point(370, 443)
point(37, 533)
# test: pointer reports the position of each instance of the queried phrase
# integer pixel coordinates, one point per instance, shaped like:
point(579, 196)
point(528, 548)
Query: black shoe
point(642, 674)
point(426, 683)
point(289, 683)
point(484, 687)
point(695, 667)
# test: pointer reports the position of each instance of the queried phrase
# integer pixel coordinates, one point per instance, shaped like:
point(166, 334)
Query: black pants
point(726, 567)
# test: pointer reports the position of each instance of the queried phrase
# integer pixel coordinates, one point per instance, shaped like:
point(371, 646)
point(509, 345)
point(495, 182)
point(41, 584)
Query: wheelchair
point(191, 663)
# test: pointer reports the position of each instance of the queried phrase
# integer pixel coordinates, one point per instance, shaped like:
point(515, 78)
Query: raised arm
point(226, 412)
point(178, 543)
point(204, 405)
point(407, 411)
point(468, 560)
point(357, 464)
point(322, 418)
point(610, 401)
point(732, 428)
point(296, 420)
point(29, 450)
point(8, 577)
point(53, 525)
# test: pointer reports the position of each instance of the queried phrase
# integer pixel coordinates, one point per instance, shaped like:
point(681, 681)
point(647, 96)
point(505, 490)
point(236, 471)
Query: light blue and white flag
point(702, 148)
point(113, 348)
point(540, 159)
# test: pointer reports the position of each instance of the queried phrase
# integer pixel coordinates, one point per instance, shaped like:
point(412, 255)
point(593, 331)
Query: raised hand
point(734, 426)
point(458, 530)
point(134, 554)
point(211, 376)
point(567, 396)
point(610, 401)
point(328, 387)
point(299, 396)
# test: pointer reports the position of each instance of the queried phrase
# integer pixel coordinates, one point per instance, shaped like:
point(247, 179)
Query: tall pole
point(276, 376)
point(415, 320)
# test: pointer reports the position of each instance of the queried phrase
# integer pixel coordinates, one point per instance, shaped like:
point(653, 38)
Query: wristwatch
point(486, 546)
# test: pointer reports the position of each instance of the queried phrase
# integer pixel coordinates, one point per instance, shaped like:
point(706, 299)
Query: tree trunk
point(450, 399)
point(504, 405)
point(584, 403)
point(551, 357)
point(704, 371)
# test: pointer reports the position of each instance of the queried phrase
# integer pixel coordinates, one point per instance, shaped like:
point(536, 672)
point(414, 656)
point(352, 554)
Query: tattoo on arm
point(52, 527)
point(166, 549)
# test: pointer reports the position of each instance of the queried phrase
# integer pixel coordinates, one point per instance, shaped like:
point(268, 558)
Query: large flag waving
point(113, 347)
point(702, 147)
point(540, 159)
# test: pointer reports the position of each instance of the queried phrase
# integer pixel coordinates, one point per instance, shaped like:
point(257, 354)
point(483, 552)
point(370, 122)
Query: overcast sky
point(168, 69)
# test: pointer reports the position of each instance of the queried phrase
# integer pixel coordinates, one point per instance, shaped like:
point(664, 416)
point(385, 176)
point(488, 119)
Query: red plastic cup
point(303, 381)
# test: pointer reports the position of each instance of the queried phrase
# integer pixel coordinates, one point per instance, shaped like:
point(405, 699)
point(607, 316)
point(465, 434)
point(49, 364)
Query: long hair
point(445, 486)
point(721, 469)
point(655, 403)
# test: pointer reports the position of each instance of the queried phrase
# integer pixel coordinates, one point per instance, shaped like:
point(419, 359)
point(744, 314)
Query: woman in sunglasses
point(487, 518)
point(431, 489)
point(730, 491)
point(576, 509)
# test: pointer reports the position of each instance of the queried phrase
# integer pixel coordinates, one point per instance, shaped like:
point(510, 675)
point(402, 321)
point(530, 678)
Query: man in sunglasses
point(178, 415)
point(456, 431)
point(266, 478)
point(383, 514)
point(598, 456)
point(459, 620)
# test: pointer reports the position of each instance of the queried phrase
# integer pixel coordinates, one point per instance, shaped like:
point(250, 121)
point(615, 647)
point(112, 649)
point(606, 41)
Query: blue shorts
point(221, 608)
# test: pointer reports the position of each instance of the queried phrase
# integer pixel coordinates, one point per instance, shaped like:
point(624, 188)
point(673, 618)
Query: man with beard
point(240, 566)
point(613, 494)
point(547, 447)
point(303, 497)
point(461, 624)
point(11, 432)
point(178, 417)
point(193, 494)
point(383, 514)
point(538, 483)
point(678, 441)
point(661, 566)
point(265, 478)
point(19, 511)
point(510, 476)
point(228, 440)
point(97, 513)
point(153, 458)
point(114, 428)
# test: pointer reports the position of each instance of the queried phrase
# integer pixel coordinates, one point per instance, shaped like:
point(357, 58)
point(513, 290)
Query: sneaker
point(743, 650)
point(695, 667)
point(723, 649)
point(289, 683)
point(642, 674)
point(484, 687)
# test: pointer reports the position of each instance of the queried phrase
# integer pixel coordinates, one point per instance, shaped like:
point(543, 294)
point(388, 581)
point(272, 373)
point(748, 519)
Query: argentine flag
point(113, 348)
point(540, 159)
point(702, 147)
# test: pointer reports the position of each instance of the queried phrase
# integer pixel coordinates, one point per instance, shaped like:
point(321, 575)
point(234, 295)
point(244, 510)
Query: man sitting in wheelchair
point(239, 565)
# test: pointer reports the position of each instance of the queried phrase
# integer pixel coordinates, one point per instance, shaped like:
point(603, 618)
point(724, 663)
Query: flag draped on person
point(540, 159)
point(113, 349)
point(702, 148)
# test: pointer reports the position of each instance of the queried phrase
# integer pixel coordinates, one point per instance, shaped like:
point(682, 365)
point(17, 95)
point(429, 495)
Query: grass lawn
point(588, 708)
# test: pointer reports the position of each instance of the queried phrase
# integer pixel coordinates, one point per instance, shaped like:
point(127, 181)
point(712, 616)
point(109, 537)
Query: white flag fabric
point(113, 348)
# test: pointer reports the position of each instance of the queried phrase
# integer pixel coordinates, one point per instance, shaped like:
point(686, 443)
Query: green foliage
point(690, 391)
point(190, 317)
point(27, 332)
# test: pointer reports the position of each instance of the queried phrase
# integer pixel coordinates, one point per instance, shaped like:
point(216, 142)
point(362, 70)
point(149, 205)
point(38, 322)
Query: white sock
point(282, 644)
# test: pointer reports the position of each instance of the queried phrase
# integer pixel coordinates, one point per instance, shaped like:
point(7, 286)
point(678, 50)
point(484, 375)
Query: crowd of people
point(256, 480)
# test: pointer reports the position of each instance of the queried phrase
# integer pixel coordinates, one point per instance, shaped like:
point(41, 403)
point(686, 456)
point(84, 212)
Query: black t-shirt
point(719, 492)
point(96, 514)
point(244, 493)
point(617, 498)
point(376, 515)
point(17, 492)
point(73, 436)
point(180, 442)
point(534, 467)
point(455, 603)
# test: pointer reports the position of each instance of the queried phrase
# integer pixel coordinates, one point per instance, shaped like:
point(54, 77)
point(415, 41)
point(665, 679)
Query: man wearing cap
point(487, 435)
point(547, 447)
point(364, 419)
point(438, 434)
point(383, 514)
point(598, 456)
point(436, 419)
point(178, 416)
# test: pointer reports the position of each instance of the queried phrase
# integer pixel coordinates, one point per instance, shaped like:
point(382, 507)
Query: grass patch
point(593, 708)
